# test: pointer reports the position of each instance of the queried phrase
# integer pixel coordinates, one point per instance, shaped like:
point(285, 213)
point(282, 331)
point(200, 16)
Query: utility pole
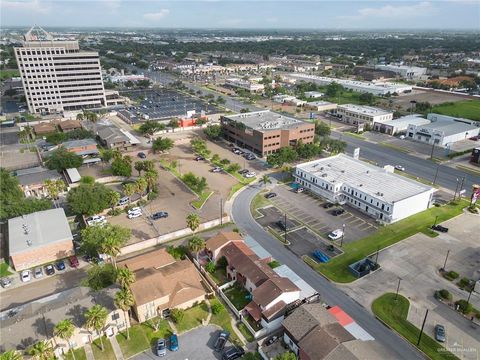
point(470, 294)
point(460, 189)
point(436, 173)
point(343, 235)
point(398, 288)
point(456, 189)
point(436, 218)
point(221, 211)
point(421, 330)
point(446, 258)
point(433, 149)
point(285, 234)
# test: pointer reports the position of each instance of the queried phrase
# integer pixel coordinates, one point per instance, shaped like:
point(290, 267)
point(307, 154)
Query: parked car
point(123, 201)
point(173, 342)
point(160, 215)
point(134, 215)
point(299, 190)
point(250, 175)
point(96, 220)
point(328, 205)
point(402, 137)
point(233, 353)
point(199, 158)
point(49, 269)
point(399, 168)
point(142, 155)
point(337, 212)
point(270, 195)
point(73, 261)
point(134, 210)
point(440, 333)
point(161, 347)
point(25, 276)
point(6, 282)
point(335, 234)
point(440, 228)
point(221, 340)
point(217, 169)
point(244, 171)
point(272, 340)
point(60, 265)
point(281, 224)
point(38, 273)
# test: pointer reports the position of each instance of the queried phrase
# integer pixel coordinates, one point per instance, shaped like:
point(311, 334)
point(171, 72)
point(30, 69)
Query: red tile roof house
point(271, 293)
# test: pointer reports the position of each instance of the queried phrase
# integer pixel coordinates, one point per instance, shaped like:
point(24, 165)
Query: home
point(114, 138)
point(83, 147)
point(32, 180)
point(35, 321)
point(163, 283)
point(315, 332)
point(69, 125)
point(44, 128)
point(39, 238)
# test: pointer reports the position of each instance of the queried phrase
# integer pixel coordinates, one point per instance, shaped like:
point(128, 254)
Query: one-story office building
point(377, 192)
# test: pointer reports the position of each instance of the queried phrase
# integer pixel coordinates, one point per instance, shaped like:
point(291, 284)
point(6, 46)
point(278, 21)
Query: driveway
point(195, 344)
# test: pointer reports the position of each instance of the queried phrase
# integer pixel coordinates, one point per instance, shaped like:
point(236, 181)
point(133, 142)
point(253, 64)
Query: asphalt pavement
point(333, 295)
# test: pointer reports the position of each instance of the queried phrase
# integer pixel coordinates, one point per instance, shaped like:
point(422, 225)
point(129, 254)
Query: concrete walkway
point(207, 320)
point(116, 348)
point(89, 352)
point(172, 325)
point(238, 332)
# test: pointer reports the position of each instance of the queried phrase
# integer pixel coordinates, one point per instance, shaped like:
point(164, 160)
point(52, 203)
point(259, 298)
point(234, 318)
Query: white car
point(25, 276)
point(134, 215)
point(335, 234)
point(134, 210)
point(97, 219)
point(38, 273)
point(399, 168)
point(250, 175)
point(402, 137)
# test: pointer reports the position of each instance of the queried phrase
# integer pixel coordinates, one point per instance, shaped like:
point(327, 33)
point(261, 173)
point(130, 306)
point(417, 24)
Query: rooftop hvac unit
point(29, 242)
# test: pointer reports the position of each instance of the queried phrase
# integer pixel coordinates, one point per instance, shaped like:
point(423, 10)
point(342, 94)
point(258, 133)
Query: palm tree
point(112, 247)
point(193, 221)
point(54, 188)
point(129, 189)
point(125, 277)
point(141, 185)
point(196, 244)
point(95, 319)
point(265, 180)
point(151, 177)
point(11, 355)
point(124, 301)
point(64, 330)
point(93, 118)
point(41, 350)
point(80, 117)
point(113, 198)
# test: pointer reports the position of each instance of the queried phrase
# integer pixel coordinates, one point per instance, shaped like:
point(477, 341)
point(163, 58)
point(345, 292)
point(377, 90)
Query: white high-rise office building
point(57, 76)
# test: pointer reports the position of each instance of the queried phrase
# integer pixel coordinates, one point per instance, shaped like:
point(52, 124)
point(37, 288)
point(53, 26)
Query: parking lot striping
point(363, 227)
point(356, 221)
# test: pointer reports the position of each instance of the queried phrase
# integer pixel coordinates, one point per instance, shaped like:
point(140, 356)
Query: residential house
point(35, 321)
point(83, 147)
point(163, 283)
point(69, 125)
point(32, 180)
point(44, 129)
point(38, 238)
point(114, 138)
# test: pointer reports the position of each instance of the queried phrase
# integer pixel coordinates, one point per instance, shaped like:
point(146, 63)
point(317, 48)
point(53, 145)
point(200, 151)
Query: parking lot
point(416, 261)
point(308, 209)
point(195, 344)
point(13, 154)
point(164, 104)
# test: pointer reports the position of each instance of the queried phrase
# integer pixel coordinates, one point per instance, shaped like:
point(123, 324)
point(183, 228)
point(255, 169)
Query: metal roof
point(266, 120)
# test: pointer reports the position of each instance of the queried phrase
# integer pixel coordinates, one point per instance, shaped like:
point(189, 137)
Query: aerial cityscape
point(216, 179)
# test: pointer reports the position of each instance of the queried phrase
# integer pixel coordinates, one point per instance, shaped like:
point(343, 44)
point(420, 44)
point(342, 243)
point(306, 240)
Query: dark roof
point(36, 175)
point(332, 335)
point(112, 135)
point(271, 289)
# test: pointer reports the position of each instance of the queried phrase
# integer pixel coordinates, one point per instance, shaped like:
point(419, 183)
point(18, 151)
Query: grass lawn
point(193, 317)
point(355, 135)
point(246, 333)
point(238, 296)
point(202, 199)
point(394, 313)
point(137, 343)
point(395, 147)
point(257, 202)
point(164, 331)
point(219, 276)
point(224, 320)
point(8, 74)
point(107, 354)
point(337, 268)
point(79, 354)
point(235, 188)
point(469, 109)
point(4, 270)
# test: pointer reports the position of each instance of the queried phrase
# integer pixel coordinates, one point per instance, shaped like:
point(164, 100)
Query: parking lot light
point(445, 263)
point(343, 235)
point(285, 234)
point(398, 288)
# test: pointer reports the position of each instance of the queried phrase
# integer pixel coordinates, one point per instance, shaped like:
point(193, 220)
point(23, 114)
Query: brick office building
point(265, 132)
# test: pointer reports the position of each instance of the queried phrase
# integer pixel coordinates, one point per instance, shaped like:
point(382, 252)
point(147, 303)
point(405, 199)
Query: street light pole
point(398, 288)
point(436, 173)
point(285, 234)
point(421, 330)
point(456, 189)
point(446, 258)
point(221, 211)
point(343, 235)
point(470, 294)
point(460, 189)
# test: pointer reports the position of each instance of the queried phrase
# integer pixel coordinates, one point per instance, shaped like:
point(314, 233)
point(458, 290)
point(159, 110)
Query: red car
point(73, 261)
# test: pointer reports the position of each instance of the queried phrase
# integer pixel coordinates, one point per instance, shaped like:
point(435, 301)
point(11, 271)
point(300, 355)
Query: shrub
point(177, 315)
point(463, 306)
point(464, 283)
point(114, 212)
point(210, 267)
point(273, 264)
point(236, 230)
point(451, 275)
point(152, 196)
point(222, 263)
point(443, 294)
point(177, 252)
point(217, 308)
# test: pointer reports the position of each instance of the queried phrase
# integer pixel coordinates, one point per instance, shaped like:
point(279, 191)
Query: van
point(123, 201)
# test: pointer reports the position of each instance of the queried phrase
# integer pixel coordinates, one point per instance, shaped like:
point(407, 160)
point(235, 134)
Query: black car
point(221, 340)
point(337, 212)
point(270, 195)
point(199, 158)
point(142, 155)
point(440, 228)
point(244, 171)
point(233, 353)
point(160, 215)
point(281, 224)
point(49, 270)
point(328, 205)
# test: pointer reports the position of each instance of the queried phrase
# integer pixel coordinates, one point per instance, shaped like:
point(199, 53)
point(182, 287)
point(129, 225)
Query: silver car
point(161, 347)
point(6, 282)
point(38, 273)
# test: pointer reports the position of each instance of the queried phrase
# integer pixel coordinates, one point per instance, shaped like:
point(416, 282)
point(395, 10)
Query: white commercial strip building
point(244, 84)
point(375, 191)
point(57, 76)
point(359, 114)
point(375, 88)
point(399, 125)
point(406, 72)
point(443, 130)
point(321, 106)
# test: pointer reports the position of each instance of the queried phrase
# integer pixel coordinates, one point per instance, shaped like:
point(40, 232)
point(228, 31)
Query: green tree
point(122, 167)
point(151, 177)
point(96, 319)
point(41, 350)
point(56, 138)
point(106, 155)
point(265, 180)
point(217, 308)
point(54, 187)
point(333, 89)
point(113, 198)
point(87, 180)
point(87, 199)
point(213, 132)
point(80, 117)
point(129, 189)
point(232, 168)
point(322, 129)
point(174, 123)
point(193, 221)
point(210, 267)
point(62, 159)
point(215, 158)
point(196, 244)
point(162, 144)
point(141, 185)
point(139, 167)
point(150, 127)
point(124, 301)
point(11, 355)
point(367, 98)
point(107, 239)
point(64, 330)
point(125, 277)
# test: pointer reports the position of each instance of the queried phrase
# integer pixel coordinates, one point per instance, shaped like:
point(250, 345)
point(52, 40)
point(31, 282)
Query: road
point(333, 295)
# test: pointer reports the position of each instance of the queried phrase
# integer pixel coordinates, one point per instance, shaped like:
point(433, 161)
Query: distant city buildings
point(265, 132)
point(57, 76)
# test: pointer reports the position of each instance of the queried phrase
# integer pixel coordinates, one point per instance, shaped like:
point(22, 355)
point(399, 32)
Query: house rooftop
point(221, 239)
point(273, 288)
point(266, 120)
point(36, 175)
point(36, 230)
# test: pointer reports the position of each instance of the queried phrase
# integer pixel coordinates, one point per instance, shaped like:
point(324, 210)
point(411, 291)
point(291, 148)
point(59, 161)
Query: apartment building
point(265, 132)
point(358, 114)
point(57, 76)
point(377, 192)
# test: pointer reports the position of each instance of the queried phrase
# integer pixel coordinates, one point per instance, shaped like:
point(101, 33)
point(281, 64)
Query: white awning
point(73, 175)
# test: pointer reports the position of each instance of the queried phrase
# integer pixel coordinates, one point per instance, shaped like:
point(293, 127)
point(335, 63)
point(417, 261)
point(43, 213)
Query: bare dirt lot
point(433, 98)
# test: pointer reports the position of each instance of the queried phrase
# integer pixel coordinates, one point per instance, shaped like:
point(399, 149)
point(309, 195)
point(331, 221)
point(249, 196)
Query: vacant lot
point(469, 109)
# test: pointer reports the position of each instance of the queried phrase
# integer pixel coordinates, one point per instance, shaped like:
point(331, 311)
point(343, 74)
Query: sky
point(253, 14)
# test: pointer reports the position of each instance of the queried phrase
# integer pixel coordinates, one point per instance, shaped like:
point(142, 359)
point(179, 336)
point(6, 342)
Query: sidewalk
point(116, 348)
point(89, 352)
